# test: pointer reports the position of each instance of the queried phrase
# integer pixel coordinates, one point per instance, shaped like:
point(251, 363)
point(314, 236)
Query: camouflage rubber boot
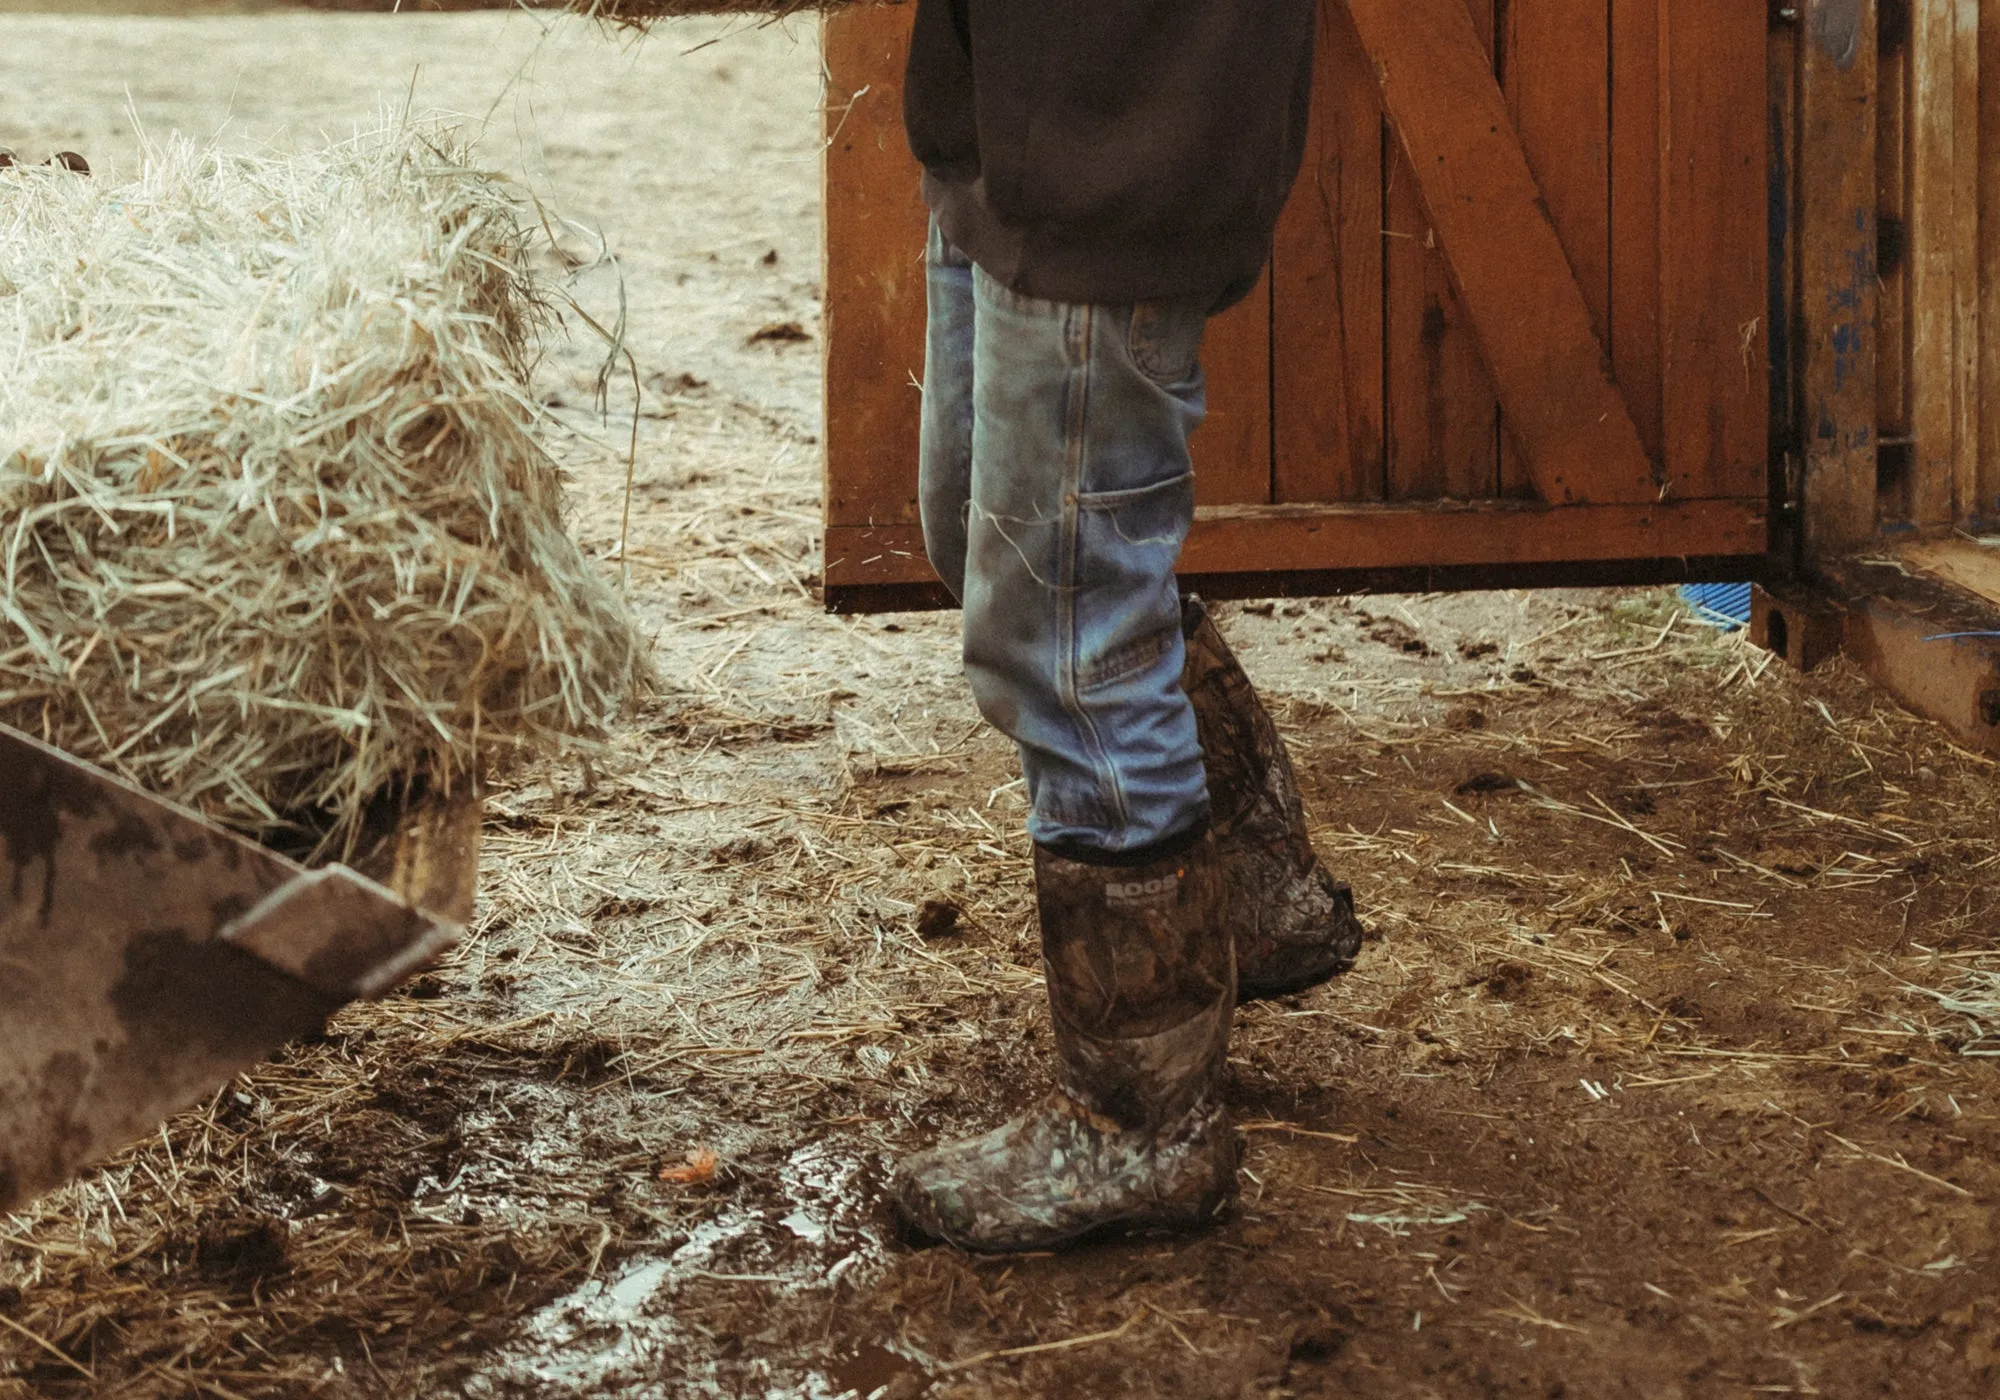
point(1293, 923)
point(1141, 990)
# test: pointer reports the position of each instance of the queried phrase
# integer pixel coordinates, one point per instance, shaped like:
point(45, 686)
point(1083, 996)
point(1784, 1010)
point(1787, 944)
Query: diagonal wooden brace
point(1549, 369)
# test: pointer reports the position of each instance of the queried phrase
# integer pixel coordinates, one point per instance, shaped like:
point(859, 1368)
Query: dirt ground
point(1666, 1074)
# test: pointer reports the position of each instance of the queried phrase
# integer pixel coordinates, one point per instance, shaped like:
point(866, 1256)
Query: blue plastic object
point(1725, 606)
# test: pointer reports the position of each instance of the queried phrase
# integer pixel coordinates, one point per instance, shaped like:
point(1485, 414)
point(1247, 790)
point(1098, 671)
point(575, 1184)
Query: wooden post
point(1837, 344)
point(1966, 83)
point(1930, 117)
point(1943, 123)
point(1893, 407)
point(1984, 498)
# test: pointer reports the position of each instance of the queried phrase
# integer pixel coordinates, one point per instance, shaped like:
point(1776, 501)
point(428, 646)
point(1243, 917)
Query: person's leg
point(944, 452)
point(1081, 494)
point(1293, 924)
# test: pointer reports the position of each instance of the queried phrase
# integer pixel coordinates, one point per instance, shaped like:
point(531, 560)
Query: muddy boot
point(1293, 923)
point(1135, 1136)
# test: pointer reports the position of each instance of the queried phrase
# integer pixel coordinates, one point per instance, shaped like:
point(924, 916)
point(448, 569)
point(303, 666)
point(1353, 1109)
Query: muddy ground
point(1644, 1087)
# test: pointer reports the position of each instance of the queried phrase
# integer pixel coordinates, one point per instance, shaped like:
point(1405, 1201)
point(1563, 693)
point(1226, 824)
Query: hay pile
point(276, 531)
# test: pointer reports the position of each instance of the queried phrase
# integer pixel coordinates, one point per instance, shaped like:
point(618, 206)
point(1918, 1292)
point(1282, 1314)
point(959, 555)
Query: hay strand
point(640, 14)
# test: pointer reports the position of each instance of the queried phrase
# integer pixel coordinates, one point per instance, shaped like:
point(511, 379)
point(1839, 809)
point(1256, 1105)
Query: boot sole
point(1099, 1232)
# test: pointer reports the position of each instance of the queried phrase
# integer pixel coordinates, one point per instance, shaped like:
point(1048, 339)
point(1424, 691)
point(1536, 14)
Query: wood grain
point(1246, 540)
point(1973, 567)
point(1714, 311)
point(1442, 410)
point(1232, 449)
point(1984, 500)
point(1781, 103)
point(1327, 270)
point(1966, 81)
point(1636, 102)
point(1556, 60)
point(874, 277)
point(1931, 121)
point(1837, 273)
point(1892, 184)
point(1548, 367)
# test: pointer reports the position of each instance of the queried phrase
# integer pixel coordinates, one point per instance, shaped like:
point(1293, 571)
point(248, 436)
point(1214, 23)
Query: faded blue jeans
point(1056, 491)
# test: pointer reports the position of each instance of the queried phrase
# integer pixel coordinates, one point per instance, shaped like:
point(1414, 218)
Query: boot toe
point(1310, 935)
point(930, 1194)
point(1048, 1179)
point(960, 1194)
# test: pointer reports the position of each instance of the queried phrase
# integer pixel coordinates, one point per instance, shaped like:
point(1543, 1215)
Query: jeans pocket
point(1164, 339)
point(1126, 605)
point(1104, 665)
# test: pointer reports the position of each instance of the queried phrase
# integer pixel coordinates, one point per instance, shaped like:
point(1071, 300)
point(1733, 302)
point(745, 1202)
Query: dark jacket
point(1111, 150)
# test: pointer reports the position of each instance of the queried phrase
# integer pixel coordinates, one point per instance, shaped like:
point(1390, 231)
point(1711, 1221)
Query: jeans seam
point(1074, 452)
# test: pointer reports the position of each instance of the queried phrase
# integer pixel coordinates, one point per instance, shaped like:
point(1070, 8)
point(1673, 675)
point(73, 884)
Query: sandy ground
point(1645, 1087)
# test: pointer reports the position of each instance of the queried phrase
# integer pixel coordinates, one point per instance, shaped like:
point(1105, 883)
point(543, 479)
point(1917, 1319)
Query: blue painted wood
point(1721, 605)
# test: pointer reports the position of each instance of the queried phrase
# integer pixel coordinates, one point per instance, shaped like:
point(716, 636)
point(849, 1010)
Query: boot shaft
point(1141, 980)
point(1239, 744)
point(1292, 923)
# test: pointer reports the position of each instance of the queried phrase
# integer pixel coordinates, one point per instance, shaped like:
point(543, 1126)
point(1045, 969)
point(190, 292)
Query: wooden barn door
point(1513, 333)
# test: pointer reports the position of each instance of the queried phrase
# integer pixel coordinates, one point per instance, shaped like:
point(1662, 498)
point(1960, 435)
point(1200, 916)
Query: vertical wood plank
point(1555, 57)
point(1984, 503)
point(1933, 222)
point(1837, 273)
point(1442, 411)
point(1782, 113)
point(1966, 79)
point(1327, 272)
point(1232, 449)
point(874, 274)
point(1892, 399)
point(1715, 340)
point(1636, 99)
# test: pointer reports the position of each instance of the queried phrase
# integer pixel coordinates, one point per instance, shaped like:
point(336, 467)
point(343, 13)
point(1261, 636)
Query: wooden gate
point(1515, 329)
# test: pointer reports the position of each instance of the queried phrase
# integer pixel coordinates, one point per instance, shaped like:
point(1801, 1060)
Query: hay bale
point(277, 529)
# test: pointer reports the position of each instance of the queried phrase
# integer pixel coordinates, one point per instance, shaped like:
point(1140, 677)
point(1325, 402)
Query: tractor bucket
point(148, 955)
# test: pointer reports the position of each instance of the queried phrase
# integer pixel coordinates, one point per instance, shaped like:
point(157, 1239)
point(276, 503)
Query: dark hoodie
point(1111, 150)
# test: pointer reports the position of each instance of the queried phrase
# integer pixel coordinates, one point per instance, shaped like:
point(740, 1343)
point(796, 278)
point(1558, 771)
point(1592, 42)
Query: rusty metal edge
point(443, 934)
point(429, 937)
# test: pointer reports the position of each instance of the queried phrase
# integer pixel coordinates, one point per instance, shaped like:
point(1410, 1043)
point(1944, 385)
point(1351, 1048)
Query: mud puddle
point(694, 1313)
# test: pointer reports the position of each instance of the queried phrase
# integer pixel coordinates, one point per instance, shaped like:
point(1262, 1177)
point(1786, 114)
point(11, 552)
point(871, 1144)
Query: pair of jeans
point(1056, 491)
